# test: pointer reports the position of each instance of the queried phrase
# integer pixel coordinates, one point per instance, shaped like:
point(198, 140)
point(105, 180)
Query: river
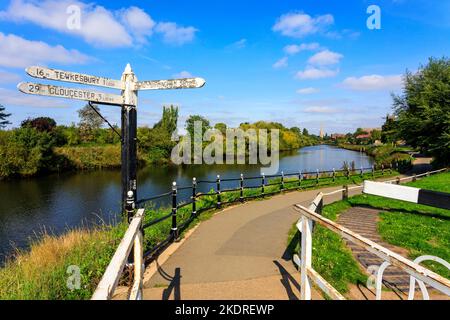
point(58, 202)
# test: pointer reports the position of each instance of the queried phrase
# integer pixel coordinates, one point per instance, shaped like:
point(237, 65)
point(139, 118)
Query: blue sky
point(303, 63)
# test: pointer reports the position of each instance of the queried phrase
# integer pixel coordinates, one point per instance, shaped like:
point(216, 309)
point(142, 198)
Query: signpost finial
point(128, 69)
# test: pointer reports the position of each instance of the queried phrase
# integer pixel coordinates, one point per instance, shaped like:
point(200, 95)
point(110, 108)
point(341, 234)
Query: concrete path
point(237, 254)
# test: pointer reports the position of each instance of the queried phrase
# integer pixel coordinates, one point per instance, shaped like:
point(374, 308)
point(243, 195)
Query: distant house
point(364, 136)
point(336, 136)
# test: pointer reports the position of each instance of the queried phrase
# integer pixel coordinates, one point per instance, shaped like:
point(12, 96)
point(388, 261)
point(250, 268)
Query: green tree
point(423, 109)
point(389, 130)
point(305, 132)
point(3, 116)
point(222, 127)
point(190, 124)
point(376, 135)
point(89, 122)
point(169, 120)
point(40, 124)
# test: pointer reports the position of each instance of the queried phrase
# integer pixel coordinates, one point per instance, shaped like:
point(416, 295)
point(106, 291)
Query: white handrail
point(415, 270)
point(110, 279)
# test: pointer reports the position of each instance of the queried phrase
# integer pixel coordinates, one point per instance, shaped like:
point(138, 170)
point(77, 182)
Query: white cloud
point(100, 27)
point(282, 63)
point(183, 74)
point(8, 77)
point(140, 23)
point(294, 48)
point(241, 44)
point(298, 25)
point(321, 110)
point(308, 91)
point(373, 83)
point(18, 52)
point(325, 57)
point(174, 34)
point(311, 73)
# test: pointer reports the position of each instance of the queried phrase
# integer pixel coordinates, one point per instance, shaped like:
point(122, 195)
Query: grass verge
point(421, 229)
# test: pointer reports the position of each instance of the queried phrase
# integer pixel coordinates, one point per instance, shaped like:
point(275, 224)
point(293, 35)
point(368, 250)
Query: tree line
point(421, 115)
point(39, 145)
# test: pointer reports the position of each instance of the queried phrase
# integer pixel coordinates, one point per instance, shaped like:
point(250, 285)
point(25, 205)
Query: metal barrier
point(297, 181)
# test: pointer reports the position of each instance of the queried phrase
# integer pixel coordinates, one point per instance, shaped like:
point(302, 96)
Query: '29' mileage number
point(34, 88)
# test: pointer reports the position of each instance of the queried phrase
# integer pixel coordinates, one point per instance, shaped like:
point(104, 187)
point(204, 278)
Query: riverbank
point(40, 273)
point(383, 155)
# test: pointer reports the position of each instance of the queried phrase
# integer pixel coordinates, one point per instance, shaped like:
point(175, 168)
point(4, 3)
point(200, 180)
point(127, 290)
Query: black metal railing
point(285, 182)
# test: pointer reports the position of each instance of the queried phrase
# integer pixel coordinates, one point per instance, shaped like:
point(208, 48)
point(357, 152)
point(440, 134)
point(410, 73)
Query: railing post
point(428, 173)
point(362, 173)
point(219, 202)
point(263, 182)
point(130, 206)
point(414, 177)
point(174, 229)
point(397, 180)
point(317, 177)
point(194, 196)
point(300, 178)
point(282, 180)
point(345, 193)
point(334, 175)
point(320, 207)
point(305, 259)
point(138, 263)
point(241, 198)
point(382, 169)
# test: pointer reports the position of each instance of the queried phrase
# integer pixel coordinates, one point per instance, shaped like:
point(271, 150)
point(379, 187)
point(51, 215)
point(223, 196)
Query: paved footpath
point(237, 254)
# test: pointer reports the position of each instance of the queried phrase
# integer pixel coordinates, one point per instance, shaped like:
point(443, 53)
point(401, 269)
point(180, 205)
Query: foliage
point(222, 127)
point(3, 116)
point(169, 120)
point(423, 109)
point(389, 131)
point(190, 124)
point(90, 157)
point(40, 124)
point(89, 122)
point(383, 155)
point(26, 152)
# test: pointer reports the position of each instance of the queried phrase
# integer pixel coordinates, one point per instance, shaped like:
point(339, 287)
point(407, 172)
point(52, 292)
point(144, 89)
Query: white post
point(136, 292)
point(130, 80)
point(306, 253)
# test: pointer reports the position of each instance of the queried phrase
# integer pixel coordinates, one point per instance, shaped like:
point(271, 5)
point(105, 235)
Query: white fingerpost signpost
point(127, 100)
